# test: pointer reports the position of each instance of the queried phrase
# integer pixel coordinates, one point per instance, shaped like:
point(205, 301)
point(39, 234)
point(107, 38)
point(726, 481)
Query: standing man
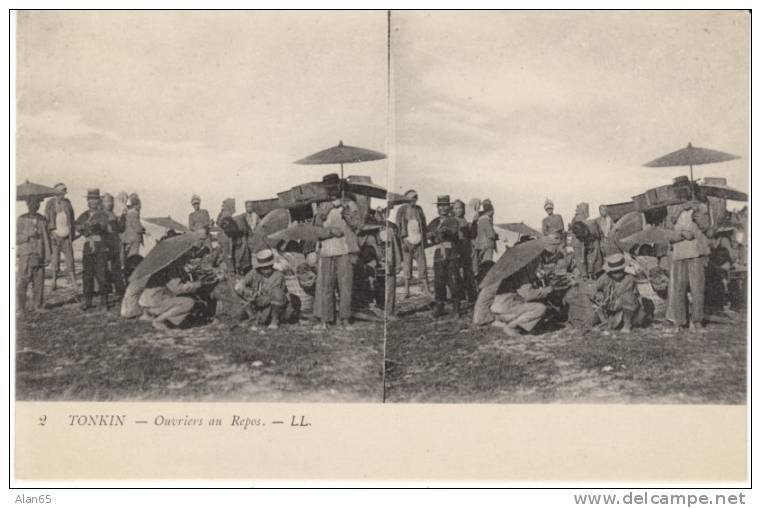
point(238, 253)
point(552, 224)
point(60, 222)
point(605, 225)
point(93, 225)
point(113, 245)
point(251, 217)
point(411, 222)
point(32, 247)
point(132, 238)
point(443, 233)
point(486, 237)
point(199, 218)
point(465, 254)
point(689, 259)
point(337, 257)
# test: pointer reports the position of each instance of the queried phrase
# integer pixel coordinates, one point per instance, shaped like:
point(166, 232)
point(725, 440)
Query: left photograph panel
point(200, 205)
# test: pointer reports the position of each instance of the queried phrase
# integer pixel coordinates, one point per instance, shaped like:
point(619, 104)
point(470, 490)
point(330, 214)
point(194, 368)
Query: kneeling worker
point(167, 297)
point(519, 304)
point(617, 298)
point(265, 290)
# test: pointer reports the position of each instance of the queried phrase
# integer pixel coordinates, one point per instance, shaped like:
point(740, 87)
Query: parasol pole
point(343, 183)
point(692, 184)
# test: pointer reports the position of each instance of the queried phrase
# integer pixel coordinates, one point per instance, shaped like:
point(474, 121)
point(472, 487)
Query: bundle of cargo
point(716, 187)
point(678, 192)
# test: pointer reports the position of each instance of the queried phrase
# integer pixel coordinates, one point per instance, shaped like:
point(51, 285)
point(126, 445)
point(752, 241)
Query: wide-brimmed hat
point(549, 204)
point(60, 186)
point(195, 199)
point(412, 194)
point(443, 200)
point(93, 194)
point(264, 258)
point(614, 263)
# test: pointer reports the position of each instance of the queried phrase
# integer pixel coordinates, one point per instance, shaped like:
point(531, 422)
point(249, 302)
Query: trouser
point(417, 253)
point(114, 268)
point(61, 245)
point(334, 271)
point(30, 270)
point(131, 248)
point(579, 256)
point(687, 274)
point(483, 255)
point(446, 275)
point(468, 276)
point(95, 266)
point(173, 309)
point(526, 315)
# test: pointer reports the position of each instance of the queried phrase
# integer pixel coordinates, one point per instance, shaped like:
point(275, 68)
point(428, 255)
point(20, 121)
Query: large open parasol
point(691, 156)
point(164, 254)
point(34, 190)
point(514, 260)
point(342, 154)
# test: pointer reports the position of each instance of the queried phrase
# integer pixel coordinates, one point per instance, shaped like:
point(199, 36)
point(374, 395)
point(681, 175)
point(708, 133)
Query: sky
point(523, 106)
point(513, 106)
point(169, 104)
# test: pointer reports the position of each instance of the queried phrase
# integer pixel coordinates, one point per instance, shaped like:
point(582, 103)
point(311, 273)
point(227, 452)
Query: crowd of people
point(348, 266)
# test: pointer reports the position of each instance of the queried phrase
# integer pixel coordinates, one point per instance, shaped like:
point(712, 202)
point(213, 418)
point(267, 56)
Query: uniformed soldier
point(199, 218)
point(553, 223)
point(32, 248)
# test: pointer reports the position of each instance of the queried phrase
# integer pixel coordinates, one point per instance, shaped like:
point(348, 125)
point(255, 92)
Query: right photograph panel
point(572, 214)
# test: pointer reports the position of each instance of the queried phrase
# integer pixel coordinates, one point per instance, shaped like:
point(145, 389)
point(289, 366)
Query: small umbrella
point(627, 225)
point(300, 232)
point(655, 236)
point(164, 254)
point(513, 260)
point(273, 222)
point(368, 189)
point(393, 199)
point(520, 228)
point(342, 154)
point(31, 190)
point(167, 223)
point(691, 156)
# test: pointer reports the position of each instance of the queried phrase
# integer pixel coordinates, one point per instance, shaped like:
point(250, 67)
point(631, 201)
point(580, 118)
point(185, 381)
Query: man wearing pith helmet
point(199, 218)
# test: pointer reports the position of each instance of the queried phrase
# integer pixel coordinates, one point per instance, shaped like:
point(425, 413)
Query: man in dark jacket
point(93, 225)
point(60, 218)
point(443, 233)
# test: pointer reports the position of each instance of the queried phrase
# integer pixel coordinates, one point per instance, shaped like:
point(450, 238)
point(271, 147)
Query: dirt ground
point(67, 354)
point(446, 360)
